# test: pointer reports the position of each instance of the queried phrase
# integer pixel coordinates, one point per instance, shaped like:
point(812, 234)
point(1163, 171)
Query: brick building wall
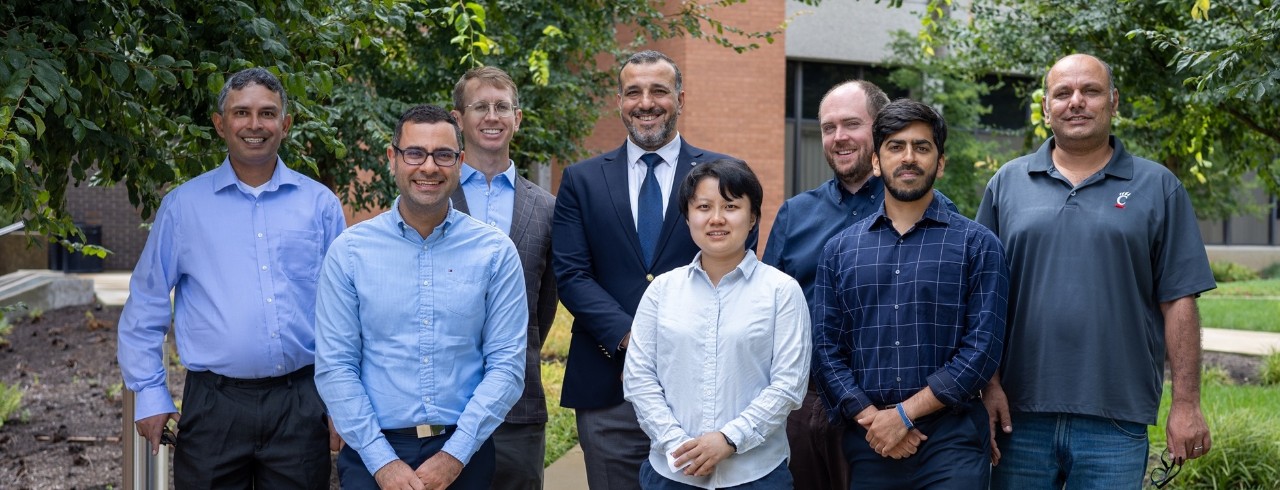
point(734, 103)
point(109, 208)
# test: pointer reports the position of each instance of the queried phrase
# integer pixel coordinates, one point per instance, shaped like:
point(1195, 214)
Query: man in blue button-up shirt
point(420, 328)
point(910, 320)
point(239, 247)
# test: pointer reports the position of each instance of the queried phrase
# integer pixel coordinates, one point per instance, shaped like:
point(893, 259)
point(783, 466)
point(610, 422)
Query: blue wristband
point(905, 421)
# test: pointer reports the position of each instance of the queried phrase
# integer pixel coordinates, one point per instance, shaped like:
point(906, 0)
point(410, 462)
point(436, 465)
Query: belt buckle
point(428, 430)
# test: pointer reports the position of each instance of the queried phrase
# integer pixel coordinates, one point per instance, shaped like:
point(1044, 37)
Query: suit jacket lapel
point(459, 199)
point(672, 218)
point(523, 202)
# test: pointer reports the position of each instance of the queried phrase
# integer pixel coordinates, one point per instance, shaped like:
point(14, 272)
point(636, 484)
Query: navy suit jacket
point(600, 269)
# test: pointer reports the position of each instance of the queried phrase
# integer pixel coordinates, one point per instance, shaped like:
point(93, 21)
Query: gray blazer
point(531, 233)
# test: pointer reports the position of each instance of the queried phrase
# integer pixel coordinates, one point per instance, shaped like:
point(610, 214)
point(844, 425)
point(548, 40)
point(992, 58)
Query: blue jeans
point(778, 479)
point(1068, 451)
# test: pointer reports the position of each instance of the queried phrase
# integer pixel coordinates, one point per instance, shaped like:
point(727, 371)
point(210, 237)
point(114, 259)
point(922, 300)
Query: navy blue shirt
point(806, 221)
point(897, 313)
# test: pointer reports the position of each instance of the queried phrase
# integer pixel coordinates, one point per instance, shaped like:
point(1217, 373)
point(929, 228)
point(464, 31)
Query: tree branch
point(1245, 119)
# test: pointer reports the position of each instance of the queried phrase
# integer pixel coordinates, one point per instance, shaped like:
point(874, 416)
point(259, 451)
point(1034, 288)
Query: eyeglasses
point(501, 108)
point(418, 156)
point(1164, 474)
point(168, 437)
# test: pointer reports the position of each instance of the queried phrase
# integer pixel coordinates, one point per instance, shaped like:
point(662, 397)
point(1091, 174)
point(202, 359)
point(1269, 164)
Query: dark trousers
point(817, 455)
point(956, 456)
point(519, 453)
point(414, 451)
point(244, 434)
point(613, 446)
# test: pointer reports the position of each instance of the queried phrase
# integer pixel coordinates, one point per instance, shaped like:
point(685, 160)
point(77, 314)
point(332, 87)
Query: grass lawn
point(562, 429)
point(1243, 305)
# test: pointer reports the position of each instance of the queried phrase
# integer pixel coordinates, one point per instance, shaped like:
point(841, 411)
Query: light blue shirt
point(243, 272)
point(732, 357)
point(412, 331)
point(490, 202)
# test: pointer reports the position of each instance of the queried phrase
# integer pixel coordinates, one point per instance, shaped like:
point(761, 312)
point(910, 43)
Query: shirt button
point(424, 360)
point(257, 205)
point(897, 342)
point(426, 399)
point(1073, 193)
point(426, 283)
point(426, 322)
point(896, 271)
point(264, 267)
point(899, 379)
point(424, 247)
point(269, 300)
point(259, 235)
point(648, 277)
point(275, 335)
point(895, 307)
point(279, 367)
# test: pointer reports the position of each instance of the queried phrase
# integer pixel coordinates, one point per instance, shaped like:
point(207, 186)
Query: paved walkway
point(569, 472)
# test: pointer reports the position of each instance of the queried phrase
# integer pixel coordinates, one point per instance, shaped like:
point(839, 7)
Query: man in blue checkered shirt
point(909, 322)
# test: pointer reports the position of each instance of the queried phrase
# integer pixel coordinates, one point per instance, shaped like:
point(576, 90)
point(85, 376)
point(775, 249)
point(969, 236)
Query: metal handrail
point(13, 227)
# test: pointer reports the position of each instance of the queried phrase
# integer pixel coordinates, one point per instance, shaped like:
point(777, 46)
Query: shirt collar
point(935, 213)
point(1120, 165)
point(225, 176)
point(469, 172)
point(748, 265)
point(449, 220)
point(669, 152)
point(837, 193)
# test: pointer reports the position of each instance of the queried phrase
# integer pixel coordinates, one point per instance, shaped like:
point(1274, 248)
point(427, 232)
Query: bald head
point(1080, 60)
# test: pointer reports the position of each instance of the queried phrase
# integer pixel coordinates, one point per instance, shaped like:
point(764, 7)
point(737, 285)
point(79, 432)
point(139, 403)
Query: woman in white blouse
point(720, 348)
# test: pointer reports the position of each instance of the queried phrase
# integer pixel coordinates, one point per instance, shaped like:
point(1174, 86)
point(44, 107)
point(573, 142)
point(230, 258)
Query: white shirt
point(733, 358)
point(665, 172)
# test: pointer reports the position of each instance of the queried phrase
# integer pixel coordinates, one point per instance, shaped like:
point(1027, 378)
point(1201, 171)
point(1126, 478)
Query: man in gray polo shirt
point(1106, 261)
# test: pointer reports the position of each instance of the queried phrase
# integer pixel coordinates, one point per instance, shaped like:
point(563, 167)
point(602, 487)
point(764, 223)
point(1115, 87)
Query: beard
point(650, 139)
point(854, 174)
point(905, 194)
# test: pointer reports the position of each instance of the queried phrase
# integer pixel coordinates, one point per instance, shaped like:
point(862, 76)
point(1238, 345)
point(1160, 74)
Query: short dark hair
point(736, 180)
point(254, 76)
point(900, 114)
point(876, 98)
point(426, 114)
point(649, 57)
point(491, 75)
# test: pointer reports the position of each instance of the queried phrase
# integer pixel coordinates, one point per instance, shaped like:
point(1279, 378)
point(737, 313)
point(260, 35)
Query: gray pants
point(613, 446)
point(521, 449)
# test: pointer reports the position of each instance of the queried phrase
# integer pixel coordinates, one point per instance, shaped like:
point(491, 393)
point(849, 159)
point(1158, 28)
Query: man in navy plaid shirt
point(909, 322)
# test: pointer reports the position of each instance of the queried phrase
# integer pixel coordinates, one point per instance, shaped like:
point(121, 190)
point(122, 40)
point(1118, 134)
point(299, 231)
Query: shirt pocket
point(465, 288)
point(298, 254)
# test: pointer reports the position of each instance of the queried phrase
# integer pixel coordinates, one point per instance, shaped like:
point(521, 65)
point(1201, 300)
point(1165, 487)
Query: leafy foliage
point(119, 92)
point(1192, 77)
point(1231, 272)
point(10, 401)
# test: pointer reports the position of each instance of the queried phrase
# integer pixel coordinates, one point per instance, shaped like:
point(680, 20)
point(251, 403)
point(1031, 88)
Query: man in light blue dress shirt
point(420, 326)
point(240, 248)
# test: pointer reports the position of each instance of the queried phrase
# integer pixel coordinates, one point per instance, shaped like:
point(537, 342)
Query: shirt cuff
point(153, 401)
point(461, 445)
point(377, 454)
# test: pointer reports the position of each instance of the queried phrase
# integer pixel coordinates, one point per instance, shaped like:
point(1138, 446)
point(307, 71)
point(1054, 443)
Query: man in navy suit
point(615, 228)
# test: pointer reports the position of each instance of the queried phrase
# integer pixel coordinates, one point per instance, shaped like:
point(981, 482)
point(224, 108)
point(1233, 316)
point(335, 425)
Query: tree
point(1192, 87)
point(112, 92)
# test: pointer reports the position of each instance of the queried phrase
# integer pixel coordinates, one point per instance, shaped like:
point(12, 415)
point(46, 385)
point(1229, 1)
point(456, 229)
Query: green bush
point(1246, 439)
point(1216, 375)
point(1231, 272)
point(10, 401)
point(1271, 271)
point(1269, 372)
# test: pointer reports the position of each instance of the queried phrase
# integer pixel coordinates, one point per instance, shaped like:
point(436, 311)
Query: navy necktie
point(649, 216)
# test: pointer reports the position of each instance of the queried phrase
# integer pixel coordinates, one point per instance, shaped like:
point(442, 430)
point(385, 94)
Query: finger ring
point(1197, 448)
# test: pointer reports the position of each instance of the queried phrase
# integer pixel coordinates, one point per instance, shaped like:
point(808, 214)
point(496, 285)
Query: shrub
point(10, 401)
point(1217, 375)
point(1231, 272)
point(1271, 271)
point(1245, 452)
point(1269, 372)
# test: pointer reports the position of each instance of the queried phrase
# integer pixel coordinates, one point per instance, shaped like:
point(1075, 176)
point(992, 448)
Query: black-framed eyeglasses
point(167, 437)
point(1164, 474)
point(418, 156)
point(500, 108)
